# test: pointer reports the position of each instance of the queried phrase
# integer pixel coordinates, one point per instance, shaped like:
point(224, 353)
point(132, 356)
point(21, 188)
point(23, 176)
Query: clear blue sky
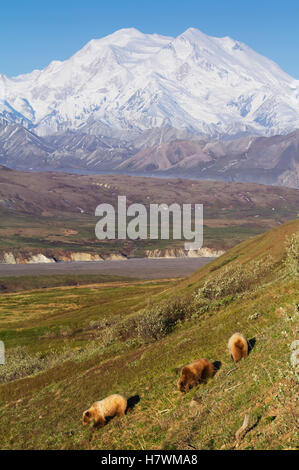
point(34, 32)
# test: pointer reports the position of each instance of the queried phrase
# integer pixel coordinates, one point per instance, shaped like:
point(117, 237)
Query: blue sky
point(32, 33)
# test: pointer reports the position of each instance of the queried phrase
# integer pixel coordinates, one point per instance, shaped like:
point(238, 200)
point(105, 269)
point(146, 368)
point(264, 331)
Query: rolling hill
point(53, 213)
point(267, 160)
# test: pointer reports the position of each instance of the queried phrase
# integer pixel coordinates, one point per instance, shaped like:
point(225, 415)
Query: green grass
point(28, 316)
point(83, 358)
point(28, 234)
point(20, 283)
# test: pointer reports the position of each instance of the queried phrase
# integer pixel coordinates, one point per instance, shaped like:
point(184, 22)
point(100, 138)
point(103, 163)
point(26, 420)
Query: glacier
point(129, 82)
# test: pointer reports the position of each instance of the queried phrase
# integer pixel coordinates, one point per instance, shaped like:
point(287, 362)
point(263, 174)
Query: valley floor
point(142, 268)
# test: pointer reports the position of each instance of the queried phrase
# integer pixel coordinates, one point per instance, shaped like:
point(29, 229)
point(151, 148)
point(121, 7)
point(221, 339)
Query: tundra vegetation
point(53, 213)
point(68, 347)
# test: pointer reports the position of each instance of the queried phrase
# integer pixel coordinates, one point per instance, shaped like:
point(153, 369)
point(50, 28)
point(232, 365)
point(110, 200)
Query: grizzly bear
point(238, 347)
point(194, 373)
point(101, 411)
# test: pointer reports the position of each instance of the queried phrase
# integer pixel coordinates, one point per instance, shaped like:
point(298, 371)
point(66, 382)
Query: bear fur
point(194, 373)
point(238, 347)
point(100, 411)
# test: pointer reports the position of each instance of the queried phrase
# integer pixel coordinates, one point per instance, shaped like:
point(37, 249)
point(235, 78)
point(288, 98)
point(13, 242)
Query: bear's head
point(182, 385)
point(87, 417)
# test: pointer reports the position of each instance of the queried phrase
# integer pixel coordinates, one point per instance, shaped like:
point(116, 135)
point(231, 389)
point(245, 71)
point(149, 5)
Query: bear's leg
point(101, 421)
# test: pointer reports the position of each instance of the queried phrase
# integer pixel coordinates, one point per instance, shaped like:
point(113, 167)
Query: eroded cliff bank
point(31, 257)
point(13, 257)
point(181, 253)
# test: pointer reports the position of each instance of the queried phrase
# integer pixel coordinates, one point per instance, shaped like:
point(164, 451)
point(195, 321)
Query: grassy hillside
point(69, 347)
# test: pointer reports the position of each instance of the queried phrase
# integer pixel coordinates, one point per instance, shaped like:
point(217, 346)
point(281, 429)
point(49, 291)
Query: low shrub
point(158, 321)
point(232, 281)
point(19, 363)
point(292, 254)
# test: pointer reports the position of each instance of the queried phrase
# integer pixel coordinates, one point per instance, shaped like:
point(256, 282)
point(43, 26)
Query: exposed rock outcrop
point(14, 257)
point(181, 253)
point(40, 258)
point(115, 257)
point(20, 258)
point(30, 258)
point(79, 256)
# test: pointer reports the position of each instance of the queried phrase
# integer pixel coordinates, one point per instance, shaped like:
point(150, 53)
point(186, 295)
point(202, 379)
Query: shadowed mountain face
point(267, 160)
point(22, 149)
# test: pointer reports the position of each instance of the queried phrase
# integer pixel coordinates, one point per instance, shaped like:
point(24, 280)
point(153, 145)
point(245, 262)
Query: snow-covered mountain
point(130, 82)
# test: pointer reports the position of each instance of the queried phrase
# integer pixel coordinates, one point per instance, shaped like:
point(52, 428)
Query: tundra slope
point(96, 363)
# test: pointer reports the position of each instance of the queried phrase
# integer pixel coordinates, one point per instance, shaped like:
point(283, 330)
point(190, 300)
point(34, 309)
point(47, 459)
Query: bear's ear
point(87, 414)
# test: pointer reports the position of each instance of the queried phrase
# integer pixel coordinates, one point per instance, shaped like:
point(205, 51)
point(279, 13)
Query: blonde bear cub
point(238, 347)
point(194, 373)
point(114, 405)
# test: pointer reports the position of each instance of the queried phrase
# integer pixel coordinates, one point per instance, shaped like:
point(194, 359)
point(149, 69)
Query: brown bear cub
point(114, 405)
point(194, 373)
point(238, 347)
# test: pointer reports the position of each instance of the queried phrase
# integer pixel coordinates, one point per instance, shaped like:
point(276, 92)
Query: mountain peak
point(129, 80)
point(196, 35)
point(124, 33)
point(123, 36)
point(129, 31)
point(194, 32)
